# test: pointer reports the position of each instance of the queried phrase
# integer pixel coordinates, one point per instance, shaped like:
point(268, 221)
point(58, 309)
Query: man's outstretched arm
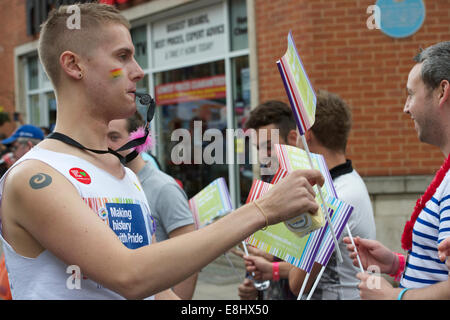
point(52, 215)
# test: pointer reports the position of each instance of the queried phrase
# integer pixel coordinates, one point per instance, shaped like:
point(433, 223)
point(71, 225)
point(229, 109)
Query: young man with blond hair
point(66, 209)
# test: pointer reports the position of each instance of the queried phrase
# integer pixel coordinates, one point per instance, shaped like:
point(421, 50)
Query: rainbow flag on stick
point(303, 103)
point(291, 158)
point(298, 87)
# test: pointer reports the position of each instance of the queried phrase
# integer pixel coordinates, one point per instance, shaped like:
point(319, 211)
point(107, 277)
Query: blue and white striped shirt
point(432, 226)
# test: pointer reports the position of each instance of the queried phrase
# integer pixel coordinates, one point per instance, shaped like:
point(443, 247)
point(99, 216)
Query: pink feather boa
point(139, 133)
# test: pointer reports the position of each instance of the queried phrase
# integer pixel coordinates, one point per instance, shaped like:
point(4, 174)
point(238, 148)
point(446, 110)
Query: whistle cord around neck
point(68, 140)
point(144, 99)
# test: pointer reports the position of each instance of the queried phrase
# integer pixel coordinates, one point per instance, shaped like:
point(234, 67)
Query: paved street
point(219, 280)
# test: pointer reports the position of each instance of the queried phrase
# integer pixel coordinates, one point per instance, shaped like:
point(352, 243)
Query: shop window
point(33, 73)
point(142, 87)
point(238, 25)
point(191, 100)
point(241, 100)
point(139, 37)
point(35, 112)
point(41, 108)
point(51, 107)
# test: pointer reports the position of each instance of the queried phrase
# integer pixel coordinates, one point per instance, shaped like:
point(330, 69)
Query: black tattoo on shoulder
point(40, 180)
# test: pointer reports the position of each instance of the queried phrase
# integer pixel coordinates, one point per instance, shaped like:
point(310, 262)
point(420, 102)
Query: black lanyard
point(144, 99)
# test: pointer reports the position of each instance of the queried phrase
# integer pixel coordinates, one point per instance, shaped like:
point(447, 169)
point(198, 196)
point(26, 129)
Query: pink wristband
point(401, 267)
point(275, 271)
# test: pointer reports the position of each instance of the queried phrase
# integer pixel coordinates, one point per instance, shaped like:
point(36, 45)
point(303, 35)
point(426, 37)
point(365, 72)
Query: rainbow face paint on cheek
point(116, 73)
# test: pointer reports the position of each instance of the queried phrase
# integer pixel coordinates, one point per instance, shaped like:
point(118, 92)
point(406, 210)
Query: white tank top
point(120, 203)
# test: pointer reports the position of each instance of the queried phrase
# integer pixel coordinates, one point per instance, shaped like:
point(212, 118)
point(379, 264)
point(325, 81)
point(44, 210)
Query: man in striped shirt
point(425, 274)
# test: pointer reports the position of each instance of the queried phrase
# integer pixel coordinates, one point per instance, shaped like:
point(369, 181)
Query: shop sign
point(191, 90)
point(196, 35)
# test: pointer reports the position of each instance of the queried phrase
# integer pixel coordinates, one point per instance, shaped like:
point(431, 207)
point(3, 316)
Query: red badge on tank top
point(81, 175)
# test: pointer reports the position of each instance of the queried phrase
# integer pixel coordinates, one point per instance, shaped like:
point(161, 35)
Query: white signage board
point(195, 35)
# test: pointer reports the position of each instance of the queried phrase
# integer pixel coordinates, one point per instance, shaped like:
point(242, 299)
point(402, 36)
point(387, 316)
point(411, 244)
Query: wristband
point(258, 206)
point(401, 267)
point(275, 271)
point(400, 295)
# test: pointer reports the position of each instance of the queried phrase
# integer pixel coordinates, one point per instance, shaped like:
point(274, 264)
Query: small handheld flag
point(298, 87)
point(303, 103)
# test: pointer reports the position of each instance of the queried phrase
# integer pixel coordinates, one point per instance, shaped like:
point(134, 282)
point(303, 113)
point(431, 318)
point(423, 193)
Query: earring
point(79, 76)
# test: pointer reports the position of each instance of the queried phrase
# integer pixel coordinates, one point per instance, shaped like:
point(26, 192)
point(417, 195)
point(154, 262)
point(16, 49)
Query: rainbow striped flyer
point(211, 203)
point(280, 242)
point(298, 87)
point(291, 158)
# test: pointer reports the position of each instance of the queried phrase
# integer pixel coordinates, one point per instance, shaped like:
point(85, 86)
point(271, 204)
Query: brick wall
point(12, 33)
point(365, 67)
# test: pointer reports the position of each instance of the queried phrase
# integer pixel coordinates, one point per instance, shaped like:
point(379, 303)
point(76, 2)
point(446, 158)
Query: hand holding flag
point(372, 253)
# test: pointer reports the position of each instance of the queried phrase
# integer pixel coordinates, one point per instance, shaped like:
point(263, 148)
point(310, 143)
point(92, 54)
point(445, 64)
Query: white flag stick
point(336, 245)
point(353, 243)
point(246, 253)
point(305, 281)
point(323, 267)
point(316, 283)
point(245, 248)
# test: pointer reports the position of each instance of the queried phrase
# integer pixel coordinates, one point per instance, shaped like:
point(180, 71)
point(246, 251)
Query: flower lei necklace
point(420, 204)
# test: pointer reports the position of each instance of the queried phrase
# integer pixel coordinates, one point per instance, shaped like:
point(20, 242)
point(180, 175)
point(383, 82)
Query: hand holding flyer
point(279, 241)
point(291, 158)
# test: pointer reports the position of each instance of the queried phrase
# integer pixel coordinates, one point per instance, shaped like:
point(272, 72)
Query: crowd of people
point(100, 196)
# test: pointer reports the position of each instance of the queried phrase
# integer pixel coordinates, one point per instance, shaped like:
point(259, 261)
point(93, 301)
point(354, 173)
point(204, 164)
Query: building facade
point(208, 62)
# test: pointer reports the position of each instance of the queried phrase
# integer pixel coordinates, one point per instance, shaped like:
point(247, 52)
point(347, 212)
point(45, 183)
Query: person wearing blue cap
point(23, 139)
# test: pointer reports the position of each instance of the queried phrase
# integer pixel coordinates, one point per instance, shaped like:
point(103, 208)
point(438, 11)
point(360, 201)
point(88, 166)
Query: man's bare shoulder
point(31, 183)
point(33, 194)
point(30, 174)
